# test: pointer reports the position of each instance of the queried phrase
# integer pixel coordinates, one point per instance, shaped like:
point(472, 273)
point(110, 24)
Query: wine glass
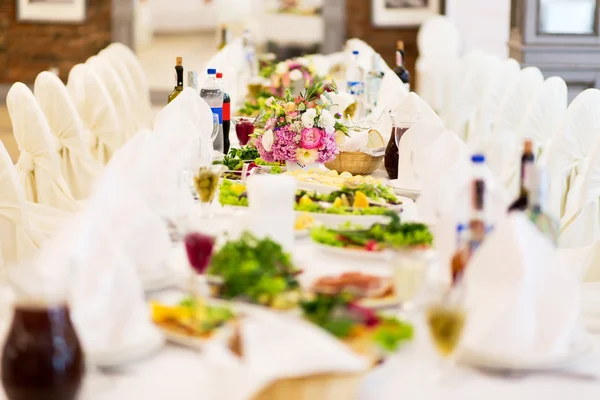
point(199, 249)
point(410, 268)
point(206, 182)
point(445, 318)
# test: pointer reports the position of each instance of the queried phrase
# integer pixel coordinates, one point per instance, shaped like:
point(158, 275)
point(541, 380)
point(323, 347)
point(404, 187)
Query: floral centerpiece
point(300, 130)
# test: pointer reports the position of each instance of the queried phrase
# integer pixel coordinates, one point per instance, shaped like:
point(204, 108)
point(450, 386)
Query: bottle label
point(355, 88)
point(399, 59)
point(219, 112)
point(227, 111)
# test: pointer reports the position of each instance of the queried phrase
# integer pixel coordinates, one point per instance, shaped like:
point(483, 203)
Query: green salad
point(374, 192)
point(316, 208)
point(377, 237)
point(256, 269)
point(234, 159)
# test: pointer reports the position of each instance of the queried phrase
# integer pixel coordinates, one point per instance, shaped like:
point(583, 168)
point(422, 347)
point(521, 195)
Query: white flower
point(267, 140)
point(325, 100)
point(281, 68)
point(308, 118)
point(269, 101)
point(327, 121)
point(303, 61)
point(306, 157)
point(295, 75)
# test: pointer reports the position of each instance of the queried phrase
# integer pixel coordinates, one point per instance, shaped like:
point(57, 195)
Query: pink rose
point(312, 138)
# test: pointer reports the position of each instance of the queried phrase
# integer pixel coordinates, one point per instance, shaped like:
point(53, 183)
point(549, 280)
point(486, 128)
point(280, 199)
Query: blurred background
point(38, 35)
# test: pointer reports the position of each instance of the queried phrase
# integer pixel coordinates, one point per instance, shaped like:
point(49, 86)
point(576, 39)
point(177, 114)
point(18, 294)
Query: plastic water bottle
point(355, 80)
point(250, 53)
point(212, 93)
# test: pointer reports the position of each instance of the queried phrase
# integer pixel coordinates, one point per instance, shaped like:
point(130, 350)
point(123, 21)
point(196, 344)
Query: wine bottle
point(527, 162)
point(178, 80)
point(224, 37)
point(547, 225)
point(226, 113)
point(400, 69)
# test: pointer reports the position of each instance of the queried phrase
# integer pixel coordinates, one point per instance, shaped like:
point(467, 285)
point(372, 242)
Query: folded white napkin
point(415, 151)
point(277, 346)
point(391, 94)
point(97, 257)
point(438, 166)
point(340, 101)
point(522, 303)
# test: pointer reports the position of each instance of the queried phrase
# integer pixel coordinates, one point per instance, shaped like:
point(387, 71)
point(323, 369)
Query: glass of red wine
point(244, 128)
point(199, 248)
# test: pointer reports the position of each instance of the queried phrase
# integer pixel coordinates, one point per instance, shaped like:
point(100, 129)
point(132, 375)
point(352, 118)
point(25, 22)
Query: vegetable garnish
point(256, 269)
point(344, 319)
point(377, 237)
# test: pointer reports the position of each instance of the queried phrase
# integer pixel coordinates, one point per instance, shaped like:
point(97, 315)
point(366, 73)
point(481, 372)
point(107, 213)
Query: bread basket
point(356, 163)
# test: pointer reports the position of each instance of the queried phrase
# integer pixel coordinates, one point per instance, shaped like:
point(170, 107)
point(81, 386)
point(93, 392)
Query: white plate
point(222, 336)
point(408, 189)
point(128, 354)
point(303, 233)
point(353, 253)
point(336, 220)
point(578, 350)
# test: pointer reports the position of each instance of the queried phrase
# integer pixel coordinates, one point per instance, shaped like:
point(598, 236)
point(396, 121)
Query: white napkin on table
point(277, 346)
point(98, 254)
point(439, 166)
point(521, 302)
point(391, 94)
point(340, 101)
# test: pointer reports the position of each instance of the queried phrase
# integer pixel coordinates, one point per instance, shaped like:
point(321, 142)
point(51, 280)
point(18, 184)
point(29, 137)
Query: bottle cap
point(355, 52)
point(179, 61)
point(528, 146)
point(219, 75)
point(211, 71)
point(478, 158)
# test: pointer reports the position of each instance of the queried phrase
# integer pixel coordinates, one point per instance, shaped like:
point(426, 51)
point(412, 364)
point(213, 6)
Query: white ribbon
point(26, 162)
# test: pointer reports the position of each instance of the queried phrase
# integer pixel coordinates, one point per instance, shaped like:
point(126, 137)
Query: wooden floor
point(6, 134)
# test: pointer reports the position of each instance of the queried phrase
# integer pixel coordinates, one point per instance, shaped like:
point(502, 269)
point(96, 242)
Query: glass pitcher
point(401, 122)
point(42, 357)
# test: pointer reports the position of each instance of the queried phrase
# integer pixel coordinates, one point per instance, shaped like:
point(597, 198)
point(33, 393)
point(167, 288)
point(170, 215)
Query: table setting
point(338, 250)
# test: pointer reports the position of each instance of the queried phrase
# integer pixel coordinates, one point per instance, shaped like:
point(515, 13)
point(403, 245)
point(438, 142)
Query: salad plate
point(336, 220)
point(119, 356)
point(580, 348)
point(350, 252)
point(404, 188)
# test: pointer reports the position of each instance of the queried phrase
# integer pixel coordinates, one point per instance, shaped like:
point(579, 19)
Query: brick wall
point(383, 40)
point(28, 48)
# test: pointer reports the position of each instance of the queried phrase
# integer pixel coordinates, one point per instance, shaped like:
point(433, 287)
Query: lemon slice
point(375, 140)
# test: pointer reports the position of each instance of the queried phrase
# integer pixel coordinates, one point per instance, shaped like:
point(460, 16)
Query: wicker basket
point(356, 163)
point(316, 387)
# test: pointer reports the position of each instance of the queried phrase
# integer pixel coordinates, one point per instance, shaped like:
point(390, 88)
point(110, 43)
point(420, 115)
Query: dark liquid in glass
point(391, 152)
point(42, 358)
point(243, 131)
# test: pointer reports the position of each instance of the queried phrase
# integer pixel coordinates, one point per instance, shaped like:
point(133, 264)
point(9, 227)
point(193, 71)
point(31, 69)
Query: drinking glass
point(244, 128)
point(206, 182)
point(410, 268)
point(445, 319)
point(216, 127)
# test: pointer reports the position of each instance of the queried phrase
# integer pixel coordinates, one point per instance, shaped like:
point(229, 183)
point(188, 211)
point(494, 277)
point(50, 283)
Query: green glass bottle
point(178, 79)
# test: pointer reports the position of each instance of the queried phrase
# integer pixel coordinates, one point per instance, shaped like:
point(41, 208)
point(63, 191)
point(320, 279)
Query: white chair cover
point(78, 166)
point(47, 219)
point(38, 164)
point(97, 112)
point(19, 239)
point(460, 113)
point(142, 111)
point(546, 112)
point(504, 147)
point(439, 48)
point(492, 99)
point(137, 74)
point(117, 91)
point(568, 155)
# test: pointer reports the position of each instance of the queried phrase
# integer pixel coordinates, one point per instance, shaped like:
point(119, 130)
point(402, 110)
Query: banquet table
point(414, 371)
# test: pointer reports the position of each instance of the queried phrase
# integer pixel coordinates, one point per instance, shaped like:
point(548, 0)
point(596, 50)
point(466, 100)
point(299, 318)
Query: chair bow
point(26, 162)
